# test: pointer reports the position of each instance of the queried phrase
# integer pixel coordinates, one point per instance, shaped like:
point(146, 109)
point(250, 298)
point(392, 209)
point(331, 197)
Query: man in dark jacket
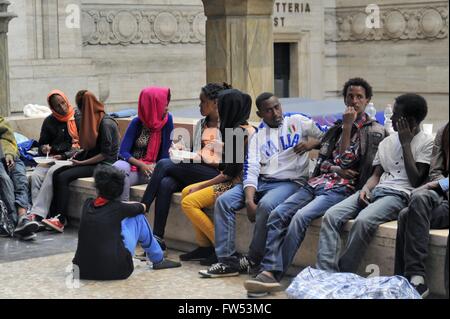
point(14, 186)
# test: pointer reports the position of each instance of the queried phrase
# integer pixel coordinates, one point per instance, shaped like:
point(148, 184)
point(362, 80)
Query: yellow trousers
point(192, 205)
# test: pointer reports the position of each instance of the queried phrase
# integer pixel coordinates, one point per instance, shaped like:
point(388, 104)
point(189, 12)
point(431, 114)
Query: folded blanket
point(124, 113)
point(318, 284)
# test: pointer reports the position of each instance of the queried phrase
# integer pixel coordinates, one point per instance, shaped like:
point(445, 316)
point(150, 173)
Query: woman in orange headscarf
point(99, 140)
point(60, 140)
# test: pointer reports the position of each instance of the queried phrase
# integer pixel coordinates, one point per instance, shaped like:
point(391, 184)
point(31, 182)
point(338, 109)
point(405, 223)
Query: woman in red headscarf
point(147, 138)
point(60, 139)
point(99, 140)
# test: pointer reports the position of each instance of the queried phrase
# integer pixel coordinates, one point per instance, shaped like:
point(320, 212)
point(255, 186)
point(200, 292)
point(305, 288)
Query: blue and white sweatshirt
point(271, 151)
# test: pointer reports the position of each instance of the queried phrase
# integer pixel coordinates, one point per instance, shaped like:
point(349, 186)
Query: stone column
point(239, 44)
point(5, 17)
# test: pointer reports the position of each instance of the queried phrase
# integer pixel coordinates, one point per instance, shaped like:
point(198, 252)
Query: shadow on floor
point(45, 244)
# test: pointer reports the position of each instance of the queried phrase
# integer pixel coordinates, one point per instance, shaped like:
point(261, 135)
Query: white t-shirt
point(271, 151)
point(390, 157)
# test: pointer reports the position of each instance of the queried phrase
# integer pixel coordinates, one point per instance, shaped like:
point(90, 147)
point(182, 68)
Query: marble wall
point(407, 52)
point(123, 46)
point(115, 51)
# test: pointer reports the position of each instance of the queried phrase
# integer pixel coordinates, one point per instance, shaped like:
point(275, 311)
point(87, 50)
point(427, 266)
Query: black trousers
point(427, 210)
point(168, 178)
point(62, 177)
point(446, 270)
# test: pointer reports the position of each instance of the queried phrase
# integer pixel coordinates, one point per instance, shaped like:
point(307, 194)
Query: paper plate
point(43, 160)
point(65, 163)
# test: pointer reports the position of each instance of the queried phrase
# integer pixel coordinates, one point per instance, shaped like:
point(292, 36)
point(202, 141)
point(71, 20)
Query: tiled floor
point(42, 269)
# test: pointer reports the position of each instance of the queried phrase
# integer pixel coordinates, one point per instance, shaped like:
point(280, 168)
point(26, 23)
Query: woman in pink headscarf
point(147, 138)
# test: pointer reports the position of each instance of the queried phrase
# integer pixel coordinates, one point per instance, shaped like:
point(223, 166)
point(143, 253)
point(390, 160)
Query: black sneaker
point(261, 284)
point(422, 289)
point(244, 265)
point(211, 260)
point(38, 219)
point(219, 270)
point(200, 253)
point(25, 227)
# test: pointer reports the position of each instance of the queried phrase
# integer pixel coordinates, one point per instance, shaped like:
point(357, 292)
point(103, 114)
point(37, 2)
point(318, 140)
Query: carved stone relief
point(396, 23)
point(109, 26)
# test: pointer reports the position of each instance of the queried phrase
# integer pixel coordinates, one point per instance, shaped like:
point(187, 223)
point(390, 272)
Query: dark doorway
point(282, 67)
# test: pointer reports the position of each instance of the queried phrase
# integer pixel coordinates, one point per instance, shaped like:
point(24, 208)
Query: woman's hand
point(46, 149)
point(195, 189)
point(146, 169)
point(76, 162)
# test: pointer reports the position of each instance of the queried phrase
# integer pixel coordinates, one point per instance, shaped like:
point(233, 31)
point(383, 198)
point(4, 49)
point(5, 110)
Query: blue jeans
point(289, 221)
point(268, 196)
point(14, 188)
point(385, 207)
point(137, 230)
point(167, 178)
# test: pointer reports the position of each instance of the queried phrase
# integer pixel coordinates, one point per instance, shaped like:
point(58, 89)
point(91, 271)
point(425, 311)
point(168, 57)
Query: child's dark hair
point(109, 181)
point(358, 82)
point(212, 90)
point(413, 106)
point(261, 98)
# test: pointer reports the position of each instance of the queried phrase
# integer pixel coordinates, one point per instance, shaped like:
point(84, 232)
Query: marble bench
point(379, 258)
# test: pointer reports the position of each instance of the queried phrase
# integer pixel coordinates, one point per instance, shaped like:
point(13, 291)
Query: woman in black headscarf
point(234, 111)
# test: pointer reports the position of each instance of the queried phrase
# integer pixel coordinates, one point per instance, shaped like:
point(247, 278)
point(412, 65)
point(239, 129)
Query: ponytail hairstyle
point(212, 90)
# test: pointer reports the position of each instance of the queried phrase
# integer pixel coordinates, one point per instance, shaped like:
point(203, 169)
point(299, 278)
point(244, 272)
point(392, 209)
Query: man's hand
point(10, 161)
point(303, 147)
point(364, 197)
point(405, 134)
point(344, 173)
point(251, 211)
point(428, 186)
point(349, 116)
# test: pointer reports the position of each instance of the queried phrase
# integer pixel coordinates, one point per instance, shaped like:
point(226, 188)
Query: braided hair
point(212, 90)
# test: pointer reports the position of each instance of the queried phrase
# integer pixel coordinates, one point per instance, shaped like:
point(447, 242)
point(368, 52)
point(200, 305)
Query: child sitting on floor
point(110, 230)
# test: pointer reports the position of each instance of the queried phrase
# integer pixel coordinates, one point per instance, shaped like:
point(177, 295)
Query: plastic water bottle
point(371, 111)
point(387, 119)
